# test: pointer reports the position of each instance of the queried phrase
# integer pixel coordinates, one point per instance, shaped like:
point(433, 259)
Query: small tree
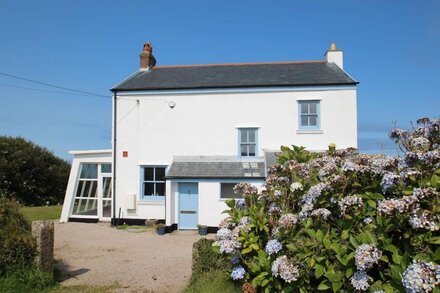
point(31, 174)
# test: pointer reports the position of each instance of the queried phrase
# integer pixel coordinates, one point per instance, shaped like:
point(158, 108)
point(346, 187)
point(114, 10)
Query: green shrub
point(31, 174)
point(205, 259)
point(26, 278)
point(341, 221)
point(213, 281)
point(17, 246)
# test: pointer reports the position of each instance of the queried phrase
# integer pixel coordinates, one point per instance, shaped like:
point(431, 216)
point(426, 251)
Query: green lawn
point(42, 213)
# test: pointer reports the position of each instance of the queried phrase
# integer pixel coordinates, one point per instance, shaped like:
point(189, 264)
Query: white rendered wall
point(98, 157)
point(206, 124)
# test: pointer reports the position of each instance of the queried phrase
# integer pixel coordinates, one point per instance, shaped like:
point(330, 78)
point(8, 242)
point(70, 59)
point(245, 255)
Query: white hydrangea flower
point(285, 269)
point(424, 220)
point(421, 277)
point(349, 201)
point(321, 213)
point(295, 186)
point(288, 220)
point(366, 256)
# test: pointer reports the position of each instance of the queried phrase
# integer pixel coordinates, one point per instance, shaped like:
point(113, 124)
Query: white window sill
point(309, 131)
point(151, 202)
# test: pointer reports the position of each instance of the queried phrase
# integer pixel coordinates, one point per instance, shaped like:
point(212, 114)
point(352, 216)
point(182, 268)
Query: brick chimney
point(146, 57)
point(334, 55)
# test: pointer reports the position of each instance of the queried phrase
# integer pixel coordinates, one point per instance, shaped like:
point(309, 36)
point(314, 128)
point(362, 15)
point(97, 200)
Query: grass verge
point(212, 281)
point(86, 289)
point(135, 228)
point(42, 213)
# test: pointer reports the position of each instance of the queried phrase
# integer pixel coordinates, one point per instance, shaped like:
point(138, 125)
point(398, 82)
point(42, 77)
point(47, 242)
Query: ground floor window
point(227, 191)
point(153, 182)
point(93, 194)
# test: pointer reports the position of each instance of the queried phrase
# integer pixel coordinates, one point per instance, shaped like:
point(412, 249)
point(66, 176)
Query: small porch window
point(227, 191)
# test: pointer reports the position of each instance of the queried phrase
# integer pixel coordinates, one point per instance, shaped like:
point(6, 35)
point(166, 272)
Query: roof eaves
point(215, 177)
point(115, 87)
point(232, 87)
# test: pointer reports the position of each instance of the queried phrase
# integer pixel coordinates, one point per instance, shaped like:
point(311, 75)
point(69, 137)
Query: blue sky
point(391, 47)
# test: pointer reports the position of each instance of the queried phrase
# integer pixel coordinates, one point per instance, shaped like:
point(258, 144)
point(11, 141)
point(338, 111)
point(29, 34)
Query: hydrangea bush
point(341, 221)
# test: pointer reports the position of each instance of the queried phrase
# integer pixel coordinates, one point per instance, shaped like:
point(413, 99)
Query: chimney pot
point(147, 60)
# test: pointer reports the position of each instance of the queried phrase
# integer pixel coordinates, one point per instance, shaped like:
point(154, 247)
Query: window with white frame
point(153, 182)
point(227, 191)
point(309, 114)
point(86, 196)
point(247, 142)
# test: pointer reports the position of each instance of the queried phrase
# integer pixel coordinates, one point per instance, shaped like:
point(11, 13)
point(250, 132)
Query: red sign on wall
point(125, 154)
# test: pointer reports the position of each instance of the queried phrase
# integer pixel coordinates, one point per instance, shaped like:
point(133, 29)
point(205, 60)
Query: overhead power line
point(54, 86)
point(42, 90)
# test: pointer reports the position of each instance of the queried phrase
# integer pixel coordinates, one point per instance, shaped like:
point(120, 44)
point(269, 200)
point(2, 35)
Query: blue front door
point(188, 205)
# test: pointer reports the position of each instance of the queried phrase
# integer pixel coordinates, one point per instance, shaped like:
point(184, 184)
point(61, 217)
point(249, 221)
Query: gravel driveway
point(97, 254)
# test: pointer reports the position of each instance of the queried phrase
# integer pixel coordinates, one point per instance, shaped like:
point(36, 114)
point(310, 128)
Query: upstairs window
point(247, 142)
point(309, 116)
point(153, 182)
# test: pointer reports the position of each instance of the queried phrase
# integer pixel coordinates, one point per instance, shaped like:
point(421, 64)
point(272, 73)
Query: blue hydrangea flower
point(360, 281)
point(235, 260)
point(273, 246)
point(238, 273)
point(389, 179)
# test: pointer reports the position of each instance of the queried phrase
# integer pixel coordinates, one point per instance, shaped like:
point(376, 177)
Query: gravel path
point(97, 254)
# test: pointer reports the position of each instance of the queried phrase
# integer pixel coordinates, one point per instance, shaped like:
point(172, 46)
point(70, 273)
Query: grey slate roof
point(271, 157)
point(215, 168)
point(310, 73)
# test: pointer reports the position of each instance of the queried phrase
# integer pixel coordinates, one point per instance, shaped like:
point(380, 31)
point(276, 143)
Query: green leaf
point(319, 271)
point(327, 243)
point(290, 247)
point(246, 250)
point(324, 285)
point(333, 276)
point(345, 234)
point(396, 272)
point(319, 235)
point(434, 240)
point(336, 286)
point(255, 246)
point(371, 203)
point(349, 273)
point(311, 233)
point(353, 241)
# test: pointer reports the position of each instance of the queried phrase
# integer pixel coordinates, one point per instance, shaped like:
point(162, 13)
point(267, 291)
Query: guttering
point(113, 221)
point(203, 91)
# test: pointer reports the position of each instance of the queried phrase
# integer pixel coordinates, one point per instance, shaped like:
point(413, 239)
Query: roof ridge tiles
point(240, 64)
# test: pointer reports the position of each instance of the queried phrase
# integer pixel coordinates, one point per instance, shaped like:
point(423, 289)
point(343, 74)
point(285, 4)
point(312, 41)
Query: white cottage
point(183, 136)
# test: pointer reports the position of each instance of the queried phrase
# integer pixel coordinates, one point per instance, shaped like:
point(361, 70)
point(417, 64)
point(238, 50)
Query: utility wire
point(54, 86)
point(41, 90)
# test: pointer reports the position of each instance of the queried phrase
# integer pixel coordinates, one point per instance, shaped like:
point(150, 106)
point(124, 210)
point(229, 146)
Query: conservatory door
point(106, 197)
